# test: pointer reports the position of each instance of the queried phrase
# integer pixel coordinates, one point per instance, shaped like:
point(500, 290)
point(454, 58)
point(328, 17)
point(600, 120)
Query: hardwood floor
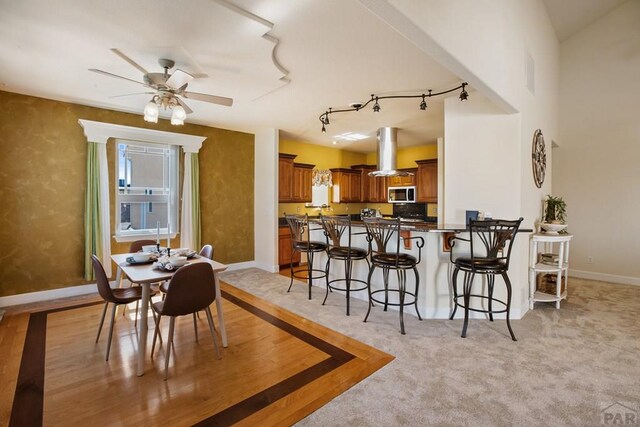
point(277, 369)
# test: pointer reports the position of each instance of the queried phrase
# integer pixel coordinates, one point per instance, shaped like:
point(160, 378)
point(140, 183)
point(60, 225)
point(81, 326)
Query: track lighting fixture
point(423, 104)
point(376, 106)
point(464, 95)
point(324, 117)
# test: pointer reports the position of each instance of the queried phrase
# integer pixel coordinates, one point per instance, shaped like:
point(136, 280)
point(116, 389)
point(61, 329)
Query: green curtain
point(195, 200)
point(92, 228)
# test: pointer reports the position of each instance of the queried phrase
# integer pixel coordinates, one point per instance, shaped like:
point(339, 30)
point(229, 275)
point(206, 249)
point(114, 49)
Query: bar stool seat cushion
point(309, 246)
point(346, 252)
point(483, 264)
point(392, 259)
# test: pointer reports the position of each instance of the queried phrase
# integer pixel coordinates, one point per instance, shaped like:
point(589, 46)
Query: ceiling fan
point(168, 88)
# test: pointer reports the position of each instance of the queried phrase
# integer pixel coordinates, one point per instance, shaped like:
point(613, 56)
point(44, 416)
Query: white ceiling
point(570, 16)
point(316, 54)
point(283, 62)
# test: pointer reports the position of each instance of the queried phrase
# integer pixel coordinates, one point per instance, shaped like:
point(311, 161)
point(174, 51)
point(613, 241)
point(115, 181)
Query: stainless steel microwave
point(402, 194)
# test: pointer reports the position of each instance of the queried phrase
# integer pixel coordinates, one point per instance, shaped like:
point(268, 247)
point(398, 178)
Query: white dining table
point(145, 275)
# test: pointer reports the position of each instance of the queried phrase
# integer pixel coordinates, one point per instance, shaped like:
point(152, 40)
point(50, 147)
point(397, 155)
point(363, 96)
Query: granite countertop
point(412, 225)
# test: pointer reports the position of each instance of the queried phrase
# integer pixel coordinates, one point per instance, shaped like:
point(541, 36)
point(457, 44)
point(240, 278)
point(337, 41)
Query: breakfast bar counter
point(434, 268)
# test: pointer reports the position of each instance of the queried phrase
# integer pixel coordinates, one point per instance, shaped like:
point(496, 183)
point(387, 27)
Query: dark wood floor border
point(310, 339)
point(28, 402)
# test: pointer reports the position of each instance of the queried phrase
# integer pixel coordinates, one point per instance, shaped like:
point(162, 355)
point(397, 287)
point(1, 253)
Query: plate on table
point(132, 261)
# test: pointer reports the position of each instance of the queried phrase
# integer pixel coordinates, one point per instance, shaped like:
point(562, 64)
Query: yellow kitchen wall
point(42, 184)
point(329, 157)
point(322, 157)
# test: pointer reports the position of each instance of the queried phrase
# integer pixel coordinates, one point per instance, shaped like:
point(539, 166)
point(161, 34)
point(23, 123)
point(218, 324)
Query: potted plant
point(554, 215)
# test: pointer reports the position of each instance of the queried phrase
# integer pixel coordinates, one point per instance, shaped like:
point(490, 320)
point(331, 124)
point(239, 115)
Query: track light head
point(376, 106)
point(324, 130)
point(464, 95)
point(423, 104)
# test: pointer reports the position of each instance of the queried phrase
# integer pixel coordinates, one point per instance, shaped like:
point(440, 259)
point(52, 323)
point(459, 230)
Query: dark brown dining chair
point(136, 246)
point(206, 252)
point(117, 296)
point(192, 288)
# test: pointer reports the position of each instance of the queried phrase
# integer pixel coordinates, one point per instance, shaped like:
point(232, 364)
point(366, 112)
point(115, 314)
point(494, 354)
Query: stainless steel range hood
point(387, 153)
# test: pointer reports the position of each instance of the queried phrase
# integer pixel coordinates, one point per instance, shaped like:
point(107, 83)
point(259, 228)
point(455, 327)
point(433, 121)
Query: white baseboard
point(253, 264)
point(71, 291)
point(603, 277)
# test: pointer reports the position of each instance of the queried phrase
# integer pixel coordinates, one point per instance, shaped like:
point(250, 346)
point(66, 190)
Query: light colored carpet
point(566, 368)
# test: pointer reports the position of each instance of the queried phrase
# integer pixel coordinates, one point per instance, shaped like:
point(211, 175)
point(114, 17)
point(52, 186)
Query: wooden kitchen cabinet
point(294, 179)
point(285, 177)
point(349, 183)
point(403, 181)
point(302, 174)
point(284, 248)
point(372, 189)
point(427, 181)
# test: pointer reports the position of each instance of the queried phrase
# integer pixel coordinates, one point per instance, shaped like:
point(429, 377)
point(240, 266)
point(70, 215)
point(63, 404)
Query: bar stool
point(335, 227)
point(382, 232)
point(301, 242)
point(494, 239)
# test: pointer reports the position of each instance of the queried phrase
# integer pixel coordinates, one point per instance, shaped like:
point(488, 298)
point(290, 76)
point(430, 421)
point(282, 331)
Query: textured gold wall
point(42, 182)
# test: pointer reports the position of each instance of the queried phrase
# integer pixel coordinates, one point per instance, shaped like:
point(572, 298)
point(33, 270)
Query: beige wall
point(596, 165)
point(42, 181)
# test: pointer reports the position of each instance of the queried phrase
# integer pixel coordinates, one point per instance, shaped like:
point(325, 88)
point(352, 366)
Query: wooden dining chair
point(191, 289)
point(117, 296)
point(206, 252)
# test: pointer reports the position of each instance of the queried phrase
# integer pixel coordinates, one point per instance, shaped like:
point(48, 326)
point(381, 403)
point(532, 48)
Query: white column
point(266, 200)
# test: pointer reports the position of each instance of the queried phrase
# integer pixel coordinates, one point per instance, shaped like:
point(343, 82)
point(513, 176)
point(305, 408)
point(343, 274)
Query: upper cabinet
point(294, 182)
point(372, 189)
point(427, 181)
point(403, 181)
point(285, 177)
point(302, 177)
point(347, 185)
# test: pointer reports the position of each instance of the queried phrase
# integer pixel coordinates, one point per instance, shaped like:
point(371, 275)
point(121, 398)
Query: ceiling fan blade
point(116, 76)
point(131, 94)
point(178, 79)
point(183, 105)
point(220, 100)
point(129, 60)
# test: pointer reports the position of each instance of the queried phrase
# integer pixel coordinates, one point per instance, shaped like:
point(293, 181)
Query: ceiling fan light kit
point(169, 88)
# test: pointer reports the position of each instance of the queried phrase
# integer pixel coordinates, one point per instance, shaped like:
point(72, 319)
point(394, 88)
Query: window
point(147, 189)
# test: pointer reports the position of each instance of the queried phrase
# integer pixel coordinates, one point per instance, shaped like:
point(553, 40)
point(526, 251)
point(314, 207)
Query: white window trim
point(100, 132)
point(130, 237)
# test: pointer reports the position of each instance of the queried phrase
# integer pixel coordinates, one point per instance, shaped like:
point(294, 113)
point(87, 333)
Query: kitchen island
point(434, 268)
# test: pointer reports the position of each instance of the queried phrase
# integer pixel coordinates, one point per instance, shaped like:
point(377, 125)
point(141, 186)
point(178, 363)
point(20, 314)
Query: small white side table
point(561, 268)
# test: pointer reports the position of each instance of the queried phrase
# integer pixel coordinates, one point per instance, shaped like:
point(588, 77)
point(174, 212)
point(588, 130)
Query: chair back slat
point(382, 232)
point(192, 288)
point(335, 227)
point(298, 224)
point(493, 239)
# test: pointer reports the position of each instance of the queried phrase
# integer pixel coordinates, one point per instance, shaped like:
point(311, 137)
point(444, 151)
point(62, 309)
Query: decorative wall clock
point(538, 158)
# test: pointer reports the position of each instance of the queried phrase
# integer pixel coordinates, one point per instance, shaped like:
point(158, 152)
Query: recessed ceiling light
point(335, 142)
point(350, 136)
